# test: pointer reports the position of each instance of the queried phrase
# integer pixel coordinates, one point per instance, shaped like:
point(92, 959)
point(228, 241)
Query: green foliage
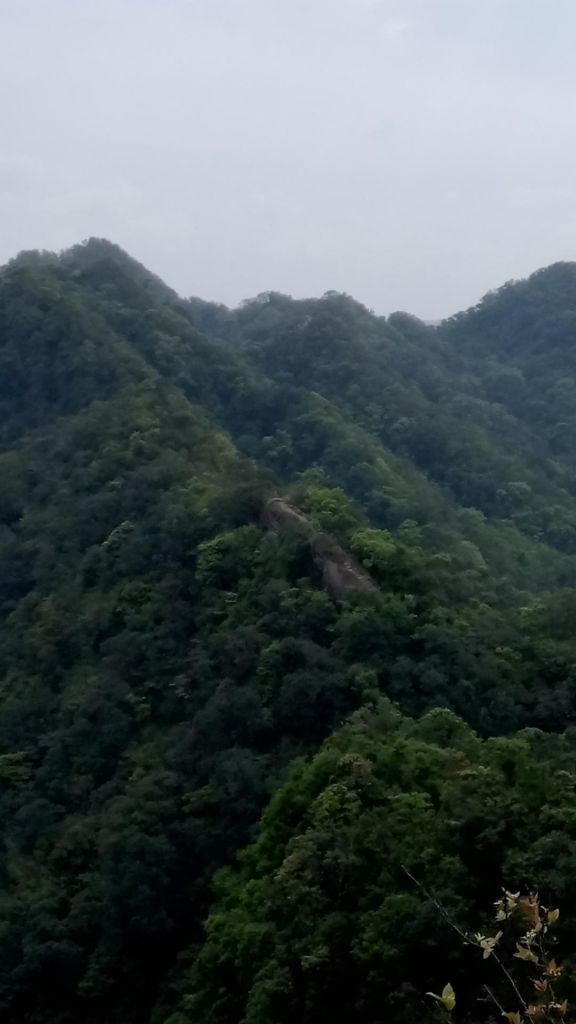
point(169, 668)
point(330, 509)
point(525, 934)
point(322, 921)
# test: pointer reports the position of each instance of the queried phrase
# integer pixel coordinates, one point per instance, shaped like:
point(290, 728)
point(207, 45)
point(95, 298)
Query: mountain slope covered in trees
point(172, 669)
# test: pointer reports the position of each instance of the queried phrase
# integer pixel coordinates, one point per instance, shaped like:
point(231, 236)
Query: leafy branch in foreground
point(523, 934)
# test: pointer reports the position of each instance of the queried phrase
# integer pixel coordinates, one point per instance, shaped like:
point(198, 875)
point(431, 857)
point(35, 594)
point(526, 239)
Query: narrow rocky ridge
point(341, 573)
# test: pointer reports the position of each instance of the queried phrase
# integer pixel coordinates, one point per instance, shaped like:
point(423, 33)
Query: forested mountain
point(219, 773)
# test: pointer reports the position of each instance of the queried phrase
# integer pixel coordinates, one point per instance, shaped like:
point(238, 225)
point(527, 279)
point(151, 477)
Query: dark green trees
point(327, 916)
point(166, 659)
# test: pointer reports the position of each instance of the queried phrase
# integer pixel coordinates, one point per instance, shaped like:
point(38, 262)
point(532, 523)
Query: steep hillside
point(169, 661)
point(327, 918)
point(521, 340)
point(380, 407)
point(451, 400)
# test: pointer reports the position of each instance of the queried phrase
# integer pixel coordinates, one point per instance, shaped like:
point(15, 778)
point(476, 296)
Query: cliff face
point(278, 515)
point(341, 573)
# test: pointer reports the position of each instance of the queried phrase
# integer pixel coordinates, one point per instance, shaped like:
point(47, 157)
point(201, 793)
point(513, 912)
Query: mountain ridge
point(181, 697)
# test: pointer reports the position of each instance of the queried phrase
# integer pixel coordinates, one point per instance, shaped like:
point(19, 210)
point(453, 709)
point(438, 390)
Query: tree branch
point(466, 938)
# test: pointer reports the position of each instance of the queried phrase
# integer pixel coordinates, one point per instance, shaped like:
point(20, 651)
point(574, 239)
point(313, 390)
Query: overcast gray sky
point(413, 153)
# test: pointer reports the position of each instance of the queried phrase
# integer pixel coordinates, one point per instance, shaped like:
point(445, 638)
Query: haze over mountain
point(234, 729)
point(412, 152)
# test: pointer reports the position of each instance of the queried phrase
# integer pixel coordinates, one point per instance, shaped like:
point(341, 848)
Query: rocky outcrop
point(341, 573)
point(278, 515)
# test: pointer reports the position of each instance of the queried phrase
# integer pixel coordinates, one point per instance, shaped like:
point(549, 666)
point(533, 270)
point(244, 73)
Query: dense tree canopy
point(328, 915)
point(213, 770)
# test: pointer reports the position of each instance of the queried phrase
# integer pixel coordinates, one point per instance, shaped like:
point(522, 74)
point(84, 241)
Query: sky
point(412, 153)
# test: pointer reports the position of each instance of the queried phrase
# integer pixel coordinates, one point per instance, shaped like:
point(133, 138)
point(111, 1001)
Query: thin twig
point(466, 938)
point(494, 1000)
point(511, 981)
point(433, 899)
